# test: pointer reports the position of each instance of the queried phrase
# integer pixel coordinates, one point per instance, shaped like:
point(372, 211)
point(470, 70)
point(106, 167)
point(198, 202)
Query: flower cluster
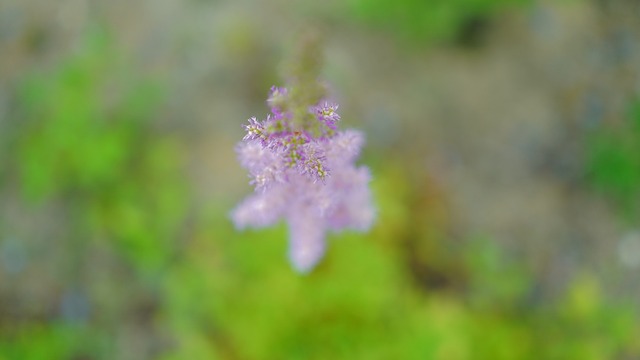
point(304, 173)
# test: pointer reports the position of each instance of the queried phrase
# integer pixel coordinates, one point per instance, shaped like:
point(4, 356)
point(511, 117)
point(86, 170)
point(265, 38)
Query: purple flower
point(326, 113)
point(313, 162)
point(309, 181)
point(255, 130)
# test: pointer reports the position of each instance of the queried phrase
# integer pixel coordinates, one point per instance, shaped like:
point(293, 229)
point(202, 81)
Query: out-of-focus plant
point(82, 142)
point(85, 138)
point(303, 167)
point(612, 161)
point(429, 20)
point(360, 302)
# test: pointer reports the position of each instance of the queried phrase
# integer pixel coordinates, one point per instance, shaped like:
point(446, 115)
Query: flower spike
point(308, 179)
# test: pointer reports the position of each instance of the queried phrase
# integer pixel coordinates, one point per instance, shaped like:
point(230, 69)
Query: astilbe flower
point(306, 175)
point(327, 113)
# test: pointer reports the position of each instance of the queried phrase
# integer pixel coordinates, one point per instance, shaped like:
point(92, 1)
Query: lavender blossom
point(305, 175)
point(327, 113)
point(255, 131)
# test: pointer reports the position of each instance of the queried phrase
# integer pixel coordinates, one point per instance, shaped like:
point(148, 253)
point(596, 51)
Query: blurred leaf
point(425, 20)
point(612, 164)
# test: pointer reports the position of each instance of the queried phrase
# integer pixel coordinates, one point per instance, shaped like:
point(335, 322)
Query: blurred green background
point(503, 138)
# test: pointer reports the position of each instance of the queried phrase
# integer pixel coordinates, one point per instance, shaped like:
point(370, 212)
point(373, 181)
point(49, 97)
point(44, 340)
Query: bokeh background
point(503, 138)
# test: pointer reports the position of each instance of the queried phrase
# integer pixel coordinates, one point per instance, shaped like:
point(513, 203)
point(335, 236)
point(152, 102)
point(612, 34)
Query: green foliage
point(360, 304)
point(426, 20)
point(612, 162)
point(55, 340)
point(84, 141)
point(583, 326)
point(82, 124)
point(496, 281)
